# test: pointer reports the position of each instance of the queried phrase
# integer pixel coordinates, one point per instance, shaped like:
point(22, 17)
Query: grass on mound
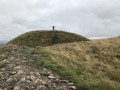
point(46, 38)
point(92, 65)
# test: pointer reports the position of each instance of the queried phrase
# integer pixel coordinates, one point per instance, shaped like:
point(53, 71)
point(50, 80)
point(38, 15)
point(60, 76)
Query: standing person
point(54, 35)
point(53, 27)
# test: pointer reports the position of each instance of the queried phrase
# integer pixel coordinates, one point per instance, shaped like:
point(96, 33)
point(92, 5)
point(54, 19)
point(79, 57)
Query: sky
point(89, 18)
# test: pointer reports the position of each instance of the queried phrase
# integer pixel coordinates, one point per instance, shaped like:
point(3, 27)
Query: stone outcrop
point(17, 73)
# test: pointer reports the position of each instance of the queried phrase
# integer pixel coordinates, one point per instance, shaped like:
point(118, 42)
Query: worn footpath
point(17, 73)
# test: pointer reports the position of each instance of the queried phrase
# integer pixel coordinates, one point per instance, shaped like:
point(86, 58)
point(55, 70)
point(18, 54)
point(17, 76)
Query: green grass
point(92, 65)
point(46, 38)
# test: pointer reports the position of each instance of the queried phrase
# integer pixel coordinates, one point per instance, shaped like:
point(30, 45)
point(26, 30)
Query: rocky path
point(17, 74)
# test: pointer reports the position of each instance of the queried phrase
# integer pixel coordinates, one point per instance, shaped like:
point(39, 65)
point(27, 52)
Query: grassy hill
point(46, 38)
point(91, 65)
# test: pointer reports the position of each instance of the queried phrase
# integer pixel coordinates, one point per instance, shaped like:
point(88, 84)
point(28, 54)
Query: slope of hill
point(46, 38)
point(90, 65)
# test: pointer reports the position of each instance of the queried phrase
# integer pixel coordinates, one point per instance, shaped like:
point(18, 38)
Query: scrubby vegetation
point(91, 65)
point(46, 38)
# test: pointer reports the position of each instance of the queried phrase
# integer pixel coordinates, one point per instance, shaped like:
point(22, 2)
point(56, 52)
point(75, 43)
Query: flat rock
point(52, 77)
point(73, 87)
point(17, 88)
point(23, 80)
point(20, 72)
point(9, 80)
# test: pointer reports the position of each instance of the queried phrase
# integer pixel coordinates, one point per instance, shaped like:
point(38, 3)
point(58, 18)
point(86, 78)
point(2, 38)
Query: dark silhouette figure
point(54, 35)
point(53, 27)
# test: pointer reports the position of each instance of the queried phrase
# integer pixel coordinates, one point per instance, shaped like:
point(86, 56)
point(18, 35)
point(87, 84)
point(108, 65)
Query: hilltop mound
point(46, 38)
point(91, 65)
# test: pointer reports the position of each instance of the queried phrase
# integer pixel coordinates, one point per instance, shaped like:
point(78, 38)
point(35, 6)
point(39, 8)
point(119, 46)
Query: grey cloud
point(91, 18)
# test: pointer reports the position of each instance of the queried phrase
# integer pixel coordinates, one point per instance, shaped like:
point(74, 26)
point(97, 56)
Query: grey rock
point(17, 88)
point(36, 81)
point(12, 58)
point(25, 58)
point(45, 74)
point(41, 87)
point(70, 83)
point(37, 73)
point(5, 60)
point(9, 80)
point(20, 72)
point(13, 72)
point(3, 69)
point(18, 67)
point(44, 69)
point(32, 78)
point(64, 81)
point(73, 87)
point(28, 81)
point(1, 73)
point(23, 80)
point(52, 77)
point(44, 82)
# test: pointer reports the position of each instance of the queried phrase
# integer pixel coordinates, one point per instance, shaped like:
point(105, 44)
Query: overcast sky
point(90, 18)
